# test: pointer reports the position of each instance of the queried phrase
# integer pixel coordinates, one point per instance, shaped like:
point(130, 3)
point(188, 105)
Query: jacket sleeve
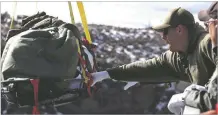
point(215, 54)
point(155, 70)
point(208, 50)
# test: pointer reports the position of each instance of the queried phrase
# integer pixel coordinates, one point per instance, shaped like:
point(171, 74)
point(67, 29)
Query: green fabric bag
point(44, 51)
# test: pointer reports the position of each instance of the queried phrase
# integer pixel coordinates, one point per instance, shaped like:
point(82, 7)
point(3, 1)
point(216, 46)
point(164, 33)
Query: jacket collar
point(194, 35)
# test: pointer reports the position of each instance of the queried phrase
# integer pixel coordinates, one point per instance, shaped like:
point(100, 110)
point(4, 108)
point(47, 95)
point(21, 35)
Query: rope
point(85, 74)
point(82, 64)
point(71, 12)
point(77, 42)
point(12, 20)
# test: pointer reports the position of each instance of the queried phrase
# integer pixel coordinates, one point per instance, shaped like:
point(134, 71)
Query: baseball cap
point(175, 17)
point(205, 15)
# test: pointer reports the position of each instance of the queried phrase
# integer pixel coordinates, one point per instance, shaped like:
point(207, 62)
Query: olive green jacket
point(196, 65)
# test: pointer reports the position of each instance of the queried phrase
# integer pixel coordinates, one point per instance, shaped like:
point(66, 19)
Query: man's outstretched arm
point(156, 70)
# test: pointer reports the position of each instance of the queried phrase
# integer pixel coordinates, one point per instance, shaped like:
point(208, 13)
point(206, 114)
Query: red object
point(210, 112)
point(35, 83)
point(217, 108)
point(87, 74)
point(85, 41)
point(35, 110)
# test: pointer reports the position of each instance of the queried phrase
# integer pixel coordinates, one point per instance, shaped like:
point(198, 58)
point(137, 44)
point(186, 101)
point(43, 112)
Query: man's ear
point(180, 29)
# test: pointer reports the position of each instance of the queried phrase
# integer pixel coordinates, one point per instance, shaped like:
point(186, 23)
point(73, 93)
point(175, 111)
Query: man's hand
point(191, 87)
point(176, 103)
point(99, 76)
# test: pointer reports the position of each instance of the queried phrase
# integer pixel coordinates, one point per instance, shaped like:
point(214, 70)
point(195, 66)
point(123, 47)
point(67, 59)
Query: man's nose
point(165, 38)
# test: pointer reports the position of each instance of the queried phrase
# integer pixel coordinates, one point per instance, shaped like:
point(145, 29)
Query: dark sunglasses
point(165, 32)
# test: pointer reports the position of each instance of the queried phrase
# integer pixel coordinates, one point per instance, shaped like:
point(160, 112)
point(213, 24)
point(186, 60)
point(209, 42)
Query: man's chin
point(173, 50)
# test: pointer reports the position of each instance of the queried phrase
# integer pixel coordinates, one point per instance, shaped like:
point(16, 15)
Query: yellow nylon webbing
point(12, 20)
point(77, 42)
point(71, 12)
point(84, 21)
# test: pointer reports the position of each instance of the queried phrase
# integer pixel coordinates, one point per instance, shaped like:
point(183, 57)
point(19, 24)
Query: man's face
point(212, 27)
point(175, 38)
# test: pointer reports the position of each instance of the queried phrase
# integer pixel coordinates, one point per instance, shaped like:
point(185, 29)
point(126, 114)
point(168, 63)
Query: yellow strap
point(84, 21)
point(12, 20)
point(71, 12)
point(77, 42)
point(83, 71)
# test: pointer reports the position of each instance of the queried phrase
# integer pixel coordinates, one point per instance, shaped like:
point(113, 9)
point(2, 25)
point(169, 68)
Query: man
point(209, 17)
point(189, 58)
point(207, 100)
